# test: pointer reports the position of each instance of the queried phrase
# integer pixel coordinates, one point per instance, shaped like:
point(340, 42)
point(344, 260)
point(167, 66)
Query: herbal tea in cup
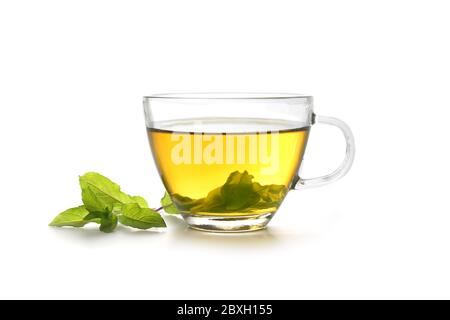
point(228, 160)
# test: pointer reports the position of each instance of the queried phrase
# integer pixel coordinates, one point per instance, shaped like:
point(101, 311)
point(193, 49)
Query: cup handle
point(346, 163)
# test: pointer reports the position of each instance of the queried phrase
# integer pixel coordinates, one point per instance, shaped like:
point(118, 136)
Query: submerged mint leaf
point(270, 193)
point(142, 218)
point(236, 194)
point(262, 205)
point(185, 203)
point(100, 194)
point(176, 203)
point(213, 201)
point(239, 193)
point(73, 217)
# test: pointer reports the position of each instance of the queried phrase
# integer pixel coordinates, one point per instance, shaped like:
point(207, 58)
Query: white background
point(72, 74)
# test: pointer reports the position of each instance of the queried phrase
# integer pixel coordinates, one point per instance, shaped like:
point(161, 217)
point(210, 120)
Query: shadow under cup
point(228, 160)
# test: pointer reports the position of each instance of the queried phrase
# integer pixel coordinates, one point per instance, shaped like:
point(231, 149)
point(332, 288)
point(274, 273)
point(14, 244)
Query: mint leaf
point(142, 218)
point(270, 193)
point(237, 192)
point(109, 223)
point(212, 202)
point(176, 203)
point(185, 203)
point(108, 220)
point(140, 201)
point(73, 217)
point(262, 205)
point(168, 205)
point(99, 194)
point(105, 204)
point(96, 216)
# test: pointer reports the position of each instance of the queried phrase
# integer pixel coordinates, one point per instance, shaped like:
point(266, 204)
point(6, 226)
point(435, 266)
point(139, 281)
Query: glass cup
point(227, 160)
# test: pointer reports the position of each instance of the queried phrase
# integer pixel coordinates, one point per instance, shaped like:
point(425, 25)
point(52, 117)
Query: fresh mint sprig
point(105, 204)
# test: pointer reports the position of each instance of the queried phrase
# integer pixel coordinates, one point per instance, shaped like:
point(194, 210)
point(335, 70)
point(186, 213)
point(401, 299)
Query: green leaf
point(238, 193)
point(97, 215)
point(108, 220)
point(73, 217)
point(262, 205)
point(109, 223)
point(168, 205)
point(142, 218)
point(99, 194)
point(270, 193)
point(185, 203)
point(213, 202)
point(140, 201)
point(178, 203)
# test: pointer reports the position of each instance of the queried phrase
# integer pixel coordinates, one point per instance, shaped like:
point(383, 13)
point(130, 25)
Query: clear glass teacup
point(227, 160)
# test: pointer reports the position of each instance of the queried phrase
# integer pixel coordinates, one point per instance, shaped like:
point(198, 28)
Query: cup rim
point(227, 96)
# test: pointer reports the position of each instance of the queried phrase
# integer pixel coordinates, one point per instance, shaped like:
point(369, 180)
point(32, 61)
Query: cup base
point(228, 224)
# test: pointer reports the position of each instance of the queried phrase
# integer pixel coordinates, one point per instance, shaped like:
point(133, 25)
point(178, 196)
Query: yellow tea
point(228, 173)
